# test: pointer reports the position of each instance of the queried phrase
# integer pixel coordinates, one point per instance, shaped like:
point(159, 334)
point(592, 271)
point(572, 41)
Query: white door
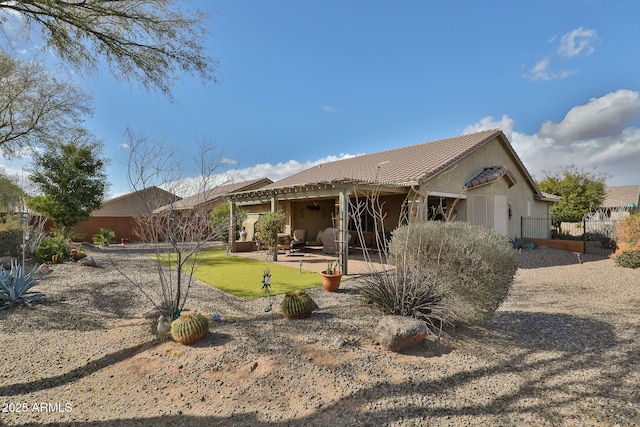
point(500, 215)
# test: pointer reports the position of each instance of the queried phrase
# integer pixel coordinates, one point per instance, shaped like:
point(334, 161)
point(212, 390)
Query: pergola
point(341, 190)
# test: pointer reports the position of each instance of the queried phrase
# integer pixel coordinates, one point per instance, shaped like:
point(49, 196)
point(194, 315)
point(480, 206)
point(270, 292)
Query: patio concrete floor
point(315, 260)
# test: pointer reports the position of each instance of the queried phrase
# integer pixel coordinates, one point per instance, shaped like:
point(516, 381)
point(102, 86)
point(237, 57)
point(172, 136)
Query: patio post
point(343, 210)
point(232, 226)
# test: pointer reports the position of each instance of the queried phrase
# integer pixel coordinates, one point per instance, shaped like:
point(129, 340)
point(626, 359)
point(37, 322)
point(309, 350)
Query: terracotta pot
point(331, 282)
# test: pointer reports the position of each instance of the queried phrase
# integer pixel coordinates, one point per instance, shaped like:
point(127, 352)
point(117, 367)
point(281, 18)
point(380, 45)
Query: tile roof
point(214, 194)
point(410, 165)
point(153, 188)
point(490, 174)
point(621, 196)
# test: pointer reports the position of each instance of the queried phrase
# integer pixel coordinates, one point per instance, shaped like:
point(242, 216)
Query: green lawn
point(243, 277)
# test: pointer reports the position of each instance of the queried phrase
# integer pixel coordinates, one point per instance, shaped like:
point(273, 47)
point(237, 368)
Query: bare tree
point(148, 41)
point(34, 106)
point(176, 232)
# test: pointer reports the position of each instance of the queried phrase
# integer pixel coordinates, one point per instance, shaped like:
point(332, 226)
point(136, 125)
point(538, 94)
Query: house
point(622, 201)
point(119, 214)
point(206, 201)
point(209, 199)
point(476, 177)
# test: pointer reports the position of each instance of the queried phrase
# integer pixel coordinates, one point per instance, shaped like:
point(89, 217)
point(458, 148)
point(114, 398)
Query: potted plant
point(331, 277)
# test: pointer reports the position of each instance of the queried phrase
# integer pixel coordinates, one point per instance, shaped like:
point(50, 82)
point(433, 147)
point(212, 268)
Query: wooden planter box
point(565, 245)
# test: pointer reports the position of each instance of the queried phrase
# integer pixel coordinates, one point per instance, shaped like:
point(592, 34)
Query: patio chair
point(297, 241)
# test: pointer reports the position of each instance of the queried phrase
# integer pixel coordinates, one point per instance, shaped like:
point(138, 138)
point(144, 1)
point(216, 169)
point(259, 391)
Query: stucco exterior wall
point(313, 216)
point(478, 206)
point(133, 204)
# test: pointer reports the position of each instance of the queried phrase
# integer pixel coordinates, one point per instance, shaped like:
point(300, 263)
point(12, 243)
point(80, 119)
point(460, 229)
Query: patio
point(315, 260)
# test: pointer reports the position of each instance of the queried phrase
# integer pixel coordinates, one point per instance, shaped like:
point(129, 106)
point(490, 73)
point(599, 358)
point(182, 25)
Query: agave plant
point(104, 237)
point(15, 285)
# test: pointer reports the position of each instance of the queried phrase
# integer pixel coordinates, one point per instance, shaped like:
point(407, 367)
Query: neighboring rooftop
point(216, 194)
point(621, 196)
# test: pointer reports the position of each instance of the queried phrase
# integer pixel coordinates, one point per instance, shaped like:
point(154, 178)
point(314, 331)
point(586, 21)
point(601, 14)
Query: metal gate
point(599, 233)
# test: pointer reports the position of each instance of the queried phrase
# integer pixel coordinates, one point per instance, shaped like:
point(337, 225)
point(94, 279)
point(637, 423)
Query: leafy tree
point(11, 195)
point(149, 41)
point(71, 177)
point(581, 192)
point(268, 227)
point(34, 106)
point(221, 220)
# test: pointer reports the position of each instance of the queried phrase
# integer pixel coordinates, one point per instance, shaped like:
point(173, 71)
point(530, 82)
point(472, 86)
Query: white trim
point(451, 195)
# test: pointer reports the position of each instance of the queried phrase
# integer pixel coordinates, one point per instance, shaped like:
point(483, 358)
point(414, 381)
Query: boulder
point(87, 262)
point(398, 333)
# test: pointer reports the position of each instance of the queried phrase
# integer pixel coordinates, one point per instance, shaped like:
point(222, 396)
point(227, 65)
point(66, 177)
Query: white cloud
point(284, 169)
point(578, 42)
point(190, 186)
point(505, 124)
point(329, 109)
point(228, 161)
point(599, 134)
point(575, 43)
point(542, 71)
point(600, 117)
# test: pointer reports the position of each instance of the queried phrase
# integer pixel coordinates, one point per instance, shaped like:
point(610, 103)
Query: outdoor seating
point(297, 241)
point(317, 242)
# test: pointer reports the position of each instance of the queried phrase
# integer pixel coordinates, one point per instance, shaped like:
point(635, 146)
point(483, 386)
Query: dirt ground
point(563, 350)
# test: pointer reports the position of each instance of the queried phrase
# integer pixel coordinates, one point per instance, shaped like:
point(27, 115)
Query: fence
point(535, 228)
point(598, 234)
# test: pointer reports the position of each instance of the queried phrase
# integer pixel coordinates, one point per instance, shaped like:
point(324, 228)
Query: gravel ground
point(562, 351)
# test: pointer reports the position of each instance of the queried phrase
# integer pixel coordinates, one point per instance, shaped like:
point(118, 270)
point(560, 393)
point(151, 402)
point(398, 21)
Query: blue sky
point(304, 82)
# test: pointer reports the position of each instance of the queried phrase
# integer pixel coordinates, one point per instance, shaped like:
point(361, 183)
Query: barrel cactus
point(190, 328)
point(296, 305)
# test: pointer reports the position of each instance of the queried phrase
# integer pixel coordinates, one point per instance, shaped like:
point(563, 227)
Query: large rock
point(398, 333)
point(87, 262)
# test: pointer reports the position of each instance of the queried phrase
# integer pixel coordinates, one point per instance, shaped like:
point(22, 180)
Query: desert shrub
point(53, 248)
point(474, 265)
point(605, 240)
point(10, 239)
point(564, 236)
point(629, 231)
point(628, 259)
point(406, 292)
point(78, 253)
point(104, 237)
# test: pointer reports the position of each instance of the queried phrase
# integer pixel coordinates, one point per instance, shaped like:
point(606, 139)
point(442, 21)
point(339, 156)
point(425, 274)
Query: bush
point(628, 259)
point(104, 237)
point(53, 248)
point(474, 265)
point(220, 220)
point(11, 239)
point(78, 253)
point(406, 292)
point(629, 231)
